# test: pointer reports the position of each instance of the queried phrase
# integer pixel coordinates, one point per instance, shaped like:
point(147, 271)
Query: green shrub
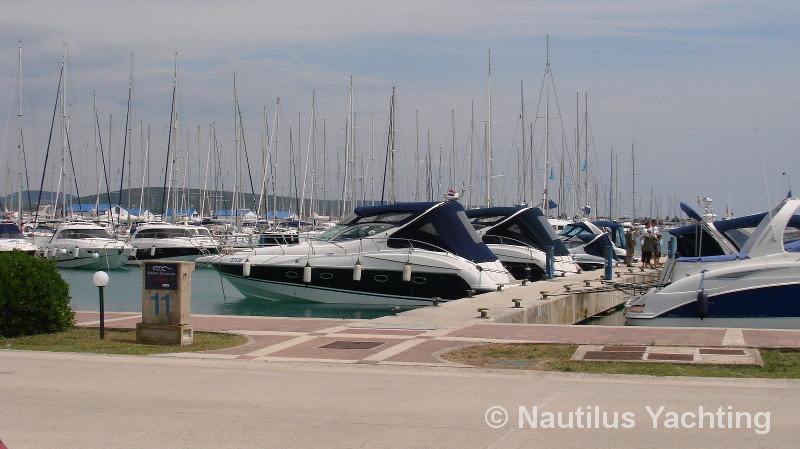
point(34, 298)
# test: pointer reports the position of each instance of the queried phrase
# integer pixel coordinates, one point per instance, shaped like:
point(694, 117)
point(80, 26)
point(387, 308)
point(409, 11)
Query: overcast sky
point(706, 91)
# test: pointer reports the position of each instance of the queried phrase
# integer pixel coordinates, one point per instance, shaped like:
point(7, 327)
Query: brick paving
point(276, 338)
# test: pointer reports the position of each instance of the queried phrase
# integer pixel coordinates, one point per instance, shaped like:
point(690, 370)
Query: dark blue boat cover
point(529, 226)
point(432, 226)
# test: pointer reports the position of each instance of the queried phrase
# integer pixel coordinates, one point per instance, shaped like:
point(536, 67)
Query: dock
point(420, 336)
point(562, 300)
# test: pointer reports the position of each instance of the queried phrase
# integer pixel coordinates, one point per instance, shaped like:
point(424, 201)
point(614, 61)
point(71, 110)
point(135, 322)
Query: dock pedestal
point(166, 303)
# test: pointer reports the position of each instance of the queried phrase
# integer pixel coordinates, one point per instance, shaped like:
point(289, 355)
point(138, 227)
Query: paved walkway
point(369, 341)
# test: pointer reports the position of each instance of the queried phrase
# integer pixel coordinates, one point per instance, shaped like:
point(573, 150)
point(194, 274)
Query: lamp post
point(100, 280)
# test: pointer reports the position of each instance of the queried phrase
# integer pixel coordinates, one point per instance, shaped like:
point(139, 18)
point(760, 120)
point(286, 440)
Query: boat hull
point(106, 260)
point(174, 254)
point(335, 285)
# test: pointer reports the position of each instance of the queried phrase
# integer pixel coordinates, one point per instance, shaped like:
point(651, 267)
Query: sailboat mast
point(633, 182)
point(523, 188)
point(347, 149)
point(125, 147)
point(545, 196)
point(165, 191)
point(62, 168)
point(416, 158)
point(577, 208)
point(489, 139)
point(20, 146)
point(275, 184)
point(453, 171)
point(471, 150)
point(586, 151)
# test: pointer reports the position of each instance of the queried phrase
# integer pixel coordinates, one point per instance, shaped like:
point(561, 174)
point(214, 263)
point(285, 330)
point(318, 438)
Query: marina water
point(211, 295)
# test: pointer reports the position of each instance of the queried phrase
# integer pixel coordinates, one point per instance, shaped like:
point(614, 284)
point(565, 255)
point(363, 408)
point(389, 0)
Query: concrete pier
point(564, 300)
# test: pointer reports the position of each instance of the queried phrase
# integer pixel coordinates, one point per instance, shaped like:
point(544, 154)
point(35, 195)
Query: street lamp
point(100, 280)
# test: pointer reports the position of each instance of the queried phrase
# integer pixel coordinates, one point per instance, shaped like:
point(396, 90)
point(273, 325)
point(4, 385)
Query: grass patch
point(116, 342)
point(778, 364)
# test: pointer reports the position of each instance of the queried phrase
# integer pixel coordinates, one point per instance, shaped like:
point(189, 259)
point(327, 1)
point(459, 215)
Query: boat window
point(162, 233)
point(327, 235)
point(462, 216)
point(572, 230)
point(510, 235)
point(202, 232)
point(360, 231)
point(484, 221)
point(84, 234)
point(386, 217)
point(740, 235)
point(791, 235)
point(10, 231)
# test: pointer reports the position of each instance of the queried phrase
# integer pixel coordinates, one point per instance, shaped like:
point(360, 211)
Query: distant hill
point(29, 198)
point(152, 199)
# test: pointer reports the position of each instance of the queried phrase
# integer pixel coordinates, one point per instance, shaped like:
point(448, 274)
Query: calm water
point(211, 295)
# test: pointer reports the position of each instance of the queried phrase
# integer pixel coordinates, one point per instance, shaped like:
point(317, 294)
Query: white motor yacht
point(85, 245)
point(587, 240)
point(759, 286)
point(400, 254)
point(12, 239)
point(165, 241)
point(519, 237)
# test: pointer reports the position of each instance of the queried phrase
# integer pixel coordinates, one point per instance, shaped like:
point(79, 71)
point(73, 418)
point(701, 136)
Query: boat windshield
point(162, 233)
point(342, 233)
point(84, 234)
point(201, 232)
point(10, 231)
point(485, 221)
point(574, 230)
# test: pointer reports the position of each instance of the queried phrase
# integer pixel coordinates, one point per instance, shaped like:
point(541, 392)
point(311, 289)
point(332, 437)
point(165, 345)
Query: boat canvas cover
point(532, 227)
point(10, 231)
point(431, 225)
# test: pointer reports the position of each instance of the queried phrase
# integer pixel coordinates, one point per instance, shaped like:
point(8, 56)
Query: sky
point(704, 93)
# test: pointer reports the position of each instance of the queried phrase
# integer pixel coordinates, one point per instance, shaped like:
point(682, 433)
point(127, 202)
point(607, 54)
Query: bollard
point(484, 312)
point(567, 288)
point(436, 301)
point(524, 282)
point(470, 293)
point(394, 310)
point(587, 282)
point(528, 274)
point(499, 287)
point(517, 302)
point(609, 263)
point(549, 251)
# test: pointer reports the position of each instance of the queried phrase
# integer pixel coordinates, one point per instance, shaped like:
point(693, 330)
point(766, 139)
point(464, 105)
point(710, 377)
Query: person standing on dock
point(647, 246)
point(630, 246)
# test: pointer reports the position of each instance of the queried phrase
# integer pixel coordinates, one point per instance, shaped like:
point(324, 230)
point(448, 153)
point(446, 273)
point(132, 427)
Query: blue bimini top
point(435, 226)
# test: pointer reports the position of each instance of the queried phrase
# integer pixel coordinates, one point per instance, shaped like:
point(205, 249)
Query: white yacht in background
point(399, 254)
point(12, 239)
point(519, 236)
point(87, 246)
point(758, 286)
point(587, 240)
point(165, 241)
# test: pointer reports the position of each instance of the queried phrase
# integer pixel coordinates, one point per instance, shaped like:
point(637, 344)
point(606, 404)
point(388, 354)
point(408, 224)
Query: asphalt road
point(51, 400)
